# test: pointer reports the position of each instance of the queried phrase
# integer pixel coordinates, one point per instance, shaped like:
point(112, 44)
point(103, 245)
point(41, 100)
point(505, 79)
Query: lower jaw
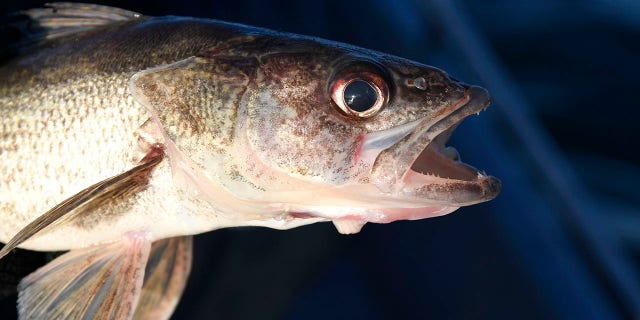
point(353, 224)
point(396, 214)
point(375, 215)
point(388, 215)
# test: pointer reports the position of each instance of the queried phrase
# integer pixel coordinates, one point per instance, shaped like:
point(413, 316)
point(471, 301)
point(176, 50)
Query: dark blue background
point(561, 241)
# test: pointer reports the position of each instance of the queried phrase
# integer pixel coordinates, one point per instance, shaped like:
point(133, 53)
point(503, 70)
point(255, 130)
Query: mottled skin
point(70, 121)
point(252, 136)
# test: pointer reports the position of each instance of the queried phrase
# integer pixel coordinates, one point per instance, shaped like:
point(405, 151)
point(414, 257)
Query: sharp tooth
point(348, 226)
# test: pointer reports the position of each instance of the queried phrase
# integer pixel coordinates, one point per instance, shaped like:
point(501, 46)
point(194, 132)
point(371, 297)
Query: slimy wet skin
point(124, 135)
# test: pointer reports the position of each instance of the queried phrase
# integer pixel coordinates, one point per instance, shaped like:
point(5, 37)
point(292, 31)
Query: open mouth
point(439, 160)
point(414, 160)
point(438, 173)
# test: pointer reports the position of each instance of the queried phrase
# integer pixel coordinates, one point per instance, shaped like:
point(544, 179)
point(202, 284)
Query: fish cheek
point(292, 131)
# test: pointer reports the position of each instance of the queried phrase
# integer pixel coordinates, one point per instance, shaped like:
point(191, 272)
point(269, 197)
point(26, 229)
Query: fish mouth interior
point(439, 160)
point(420, 166)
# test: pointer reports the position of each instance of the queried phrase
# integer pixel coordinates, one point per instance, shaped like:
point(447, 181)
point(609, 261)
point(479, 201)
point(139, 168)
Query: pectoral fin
point(165, 278)
point(90, 198)
point(99, 282)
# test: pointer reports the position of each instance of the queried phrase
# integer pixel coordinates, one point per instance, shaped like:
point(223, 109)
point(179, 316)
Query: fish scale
point(52, 150)
point(124, 135)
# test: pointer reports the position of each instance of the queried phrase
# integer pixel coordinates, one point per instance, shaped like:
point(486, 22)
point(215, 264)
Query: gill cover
point(194, 104)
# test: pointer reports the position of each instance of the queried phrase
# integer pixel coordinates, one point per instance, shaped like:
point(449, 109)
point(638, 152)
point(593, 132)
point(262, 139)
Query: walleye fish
point(123, 135)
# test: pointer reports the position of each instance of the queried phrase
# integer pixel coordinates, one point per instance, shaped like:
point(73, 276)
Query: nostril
point(419, 83)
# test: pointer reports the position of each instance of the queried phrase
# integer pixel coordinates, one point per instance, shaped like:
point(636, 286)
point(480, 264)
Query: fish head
point(356, 136)
point(327, 131)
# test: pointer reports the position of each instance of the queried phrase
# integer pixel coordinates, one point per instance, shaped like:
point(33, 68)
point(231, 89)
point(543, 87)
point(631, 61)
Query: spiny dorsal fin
point(24, 30)
point(60, 19)
point(89, 198)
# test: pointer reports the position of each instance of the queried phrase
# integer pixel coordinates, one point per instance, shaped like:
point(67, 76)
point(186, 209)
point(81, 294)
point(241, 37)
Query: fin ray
point(25, 30)
point(165, 278)
point(60, 19)
point(99, 282)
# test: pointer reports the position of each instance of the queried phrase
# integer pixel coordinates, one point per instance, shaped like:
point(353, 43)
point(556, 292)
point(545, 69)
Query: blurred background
point(561, 241)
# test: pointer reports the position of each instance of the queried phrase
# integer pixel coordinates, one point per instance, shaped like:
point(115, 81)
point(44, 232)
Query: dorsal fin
point(30, 27)
point(60, 19)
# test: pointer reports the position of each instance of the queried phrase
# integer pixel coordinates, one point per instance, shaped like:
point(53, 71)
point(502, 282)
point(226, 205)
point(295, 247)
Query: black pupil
point(360, 96)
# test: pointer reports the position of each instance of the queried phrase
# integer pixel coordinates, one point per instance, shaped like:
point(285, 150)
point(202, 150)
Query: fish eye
point(359, 89)
point(360, 96)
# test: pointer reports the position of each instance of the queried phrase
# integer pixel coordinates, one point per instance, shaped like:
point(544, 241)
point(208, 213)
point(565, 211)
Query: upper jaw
point(419, 168)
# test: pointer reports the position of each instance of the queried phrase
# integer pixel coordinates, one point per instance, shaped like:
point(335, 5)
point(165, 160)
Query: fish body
point(124, 135)
point(70, 120)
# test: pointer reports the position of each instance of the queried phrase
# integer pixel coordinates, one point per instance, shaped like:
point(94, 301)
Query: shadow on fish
point(124, 135)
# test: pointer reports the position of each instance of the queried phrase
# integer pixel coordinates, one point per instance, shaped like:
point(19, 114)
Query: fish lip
point(464, 184)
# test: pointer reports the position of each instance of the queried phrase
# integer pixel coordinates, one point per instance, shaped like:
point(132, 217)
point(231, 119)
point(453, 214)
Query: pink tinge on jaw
point(395, 214)
point(387, 215)
point(413, 181)
point(301, 215)
point(431, 162)
point(353, 223)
